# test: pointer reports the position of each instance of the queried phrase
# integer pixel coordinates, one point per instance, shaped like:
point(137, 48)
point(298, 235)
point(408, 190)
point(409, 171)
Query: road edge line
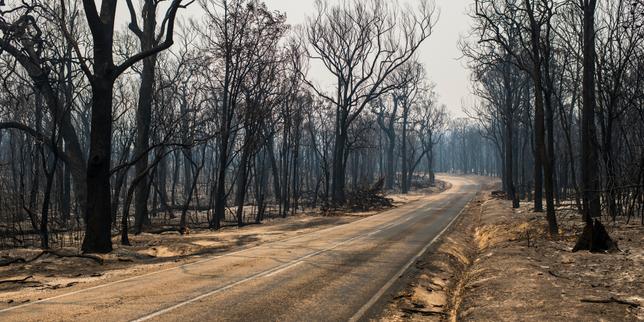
point(358, 315)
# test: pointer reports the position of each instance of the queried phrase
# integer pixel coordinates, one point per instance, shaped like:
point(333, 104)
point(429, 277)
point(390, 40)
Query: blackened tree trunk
point(187, 159)
point(284, 165)
point(148, 40)
point(589, 163)
point(508, 161)
point(36, 162)
point(175, 177)
point(220, 194)
point(339, 164)
point(549, 157)
point(261, 184)
point(242, 180)
point(430, 162)
point(403, 150)
point(162, 176)
point(274, 169)
point(388, 127)
point(389, 162)
point(142, 145)
point(541, 155)
point(118, 186)
point(66, 198)
point(295, 178)
point(98, 212)
point(101, 24)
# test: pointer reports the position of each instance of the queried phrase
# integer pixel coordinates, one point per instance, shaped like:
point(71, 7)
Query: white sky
point(440, 53)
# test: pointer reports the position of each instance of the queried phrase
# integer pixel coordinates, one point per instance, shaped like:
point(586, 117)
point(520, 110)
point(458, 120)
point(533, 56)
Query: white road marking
point(396, 276)
point(282, 268)
point(205, 260)
point(386, 227)
point(265, 273)
point(245, 249)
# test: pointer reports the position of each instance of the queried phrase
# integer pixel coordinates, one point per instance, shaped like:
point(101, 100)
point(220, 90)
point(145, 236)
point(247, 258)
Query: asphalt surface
point(337, 274)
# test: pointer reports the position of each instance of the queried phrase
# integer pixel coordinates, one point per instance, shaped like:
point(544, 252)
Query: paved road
point(336, 274)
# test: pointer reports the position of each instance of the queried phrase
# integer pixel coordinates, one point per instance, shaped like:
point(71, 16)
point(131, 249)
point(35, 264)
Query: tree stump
point(595, 239)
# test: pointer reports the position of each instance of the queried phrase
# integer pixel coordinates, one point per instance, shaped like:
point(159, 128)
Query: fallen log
point(498, 194)
point(611, 299)
point(162, 230)
point(19, 281)
point(12, 261)
point(423, 311)
point(95, 258)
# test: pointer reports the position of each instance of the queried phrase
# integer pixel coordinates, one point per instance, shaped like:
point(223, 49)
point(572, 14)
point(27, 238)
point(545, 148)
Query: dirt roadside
point(50, 275)
point(498, 264)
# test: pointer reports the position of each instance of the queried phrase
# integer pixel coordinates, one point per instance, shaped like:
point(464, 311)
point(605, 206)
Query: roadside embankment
point(499, 264)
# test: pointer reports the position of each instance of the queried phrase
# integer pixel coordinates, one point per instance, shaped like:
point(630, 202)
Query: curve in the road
point(338, 273)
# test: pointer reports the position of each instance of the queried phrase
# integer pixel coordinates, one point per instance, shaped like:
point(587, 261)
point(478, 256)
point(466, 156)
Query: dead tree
point(102, 76)
point(361, 44)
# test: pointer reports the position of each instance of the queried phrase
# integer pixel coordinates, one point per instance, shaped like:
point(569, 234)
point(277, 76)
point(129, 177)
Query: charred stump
point(595, 239)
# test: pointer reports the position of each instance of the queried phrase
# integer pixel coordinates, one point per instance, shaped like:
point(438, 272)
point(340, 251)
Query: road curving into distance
point(341, 273)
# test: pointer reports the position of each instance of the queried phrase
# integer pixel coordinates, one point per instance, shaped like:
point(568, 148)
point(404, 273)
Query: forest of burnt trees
point(106, 131)
point(117, 121)
point(562, 88)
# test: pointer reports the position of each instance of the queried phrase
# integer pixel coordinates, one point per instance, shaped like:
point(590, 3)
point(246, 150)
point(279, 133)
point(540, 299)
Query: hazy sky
point(440, 53)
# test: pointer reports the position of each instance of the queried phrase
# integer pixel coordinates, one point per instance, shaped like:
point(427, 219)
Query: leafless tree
point(361, 44)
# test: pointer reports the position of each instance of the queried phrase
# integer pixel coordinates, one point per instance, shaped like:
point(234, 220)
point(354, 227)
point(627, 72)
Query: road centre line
point(265, 273)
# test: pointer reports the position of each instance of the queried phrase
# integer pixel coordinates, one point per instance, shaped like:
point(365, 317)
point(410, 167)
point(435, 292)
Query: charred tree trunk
point(403, 151)
point(144, 112)
point(46, 204)
point(275, 170)
point(220, 194)
point(143, 120)
point(242, 181)
point(541, 155)
point(590, 166)
point(508, 161)
point(98, 212)
point(390, 169)
point(594, 238)
point(339, 160)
